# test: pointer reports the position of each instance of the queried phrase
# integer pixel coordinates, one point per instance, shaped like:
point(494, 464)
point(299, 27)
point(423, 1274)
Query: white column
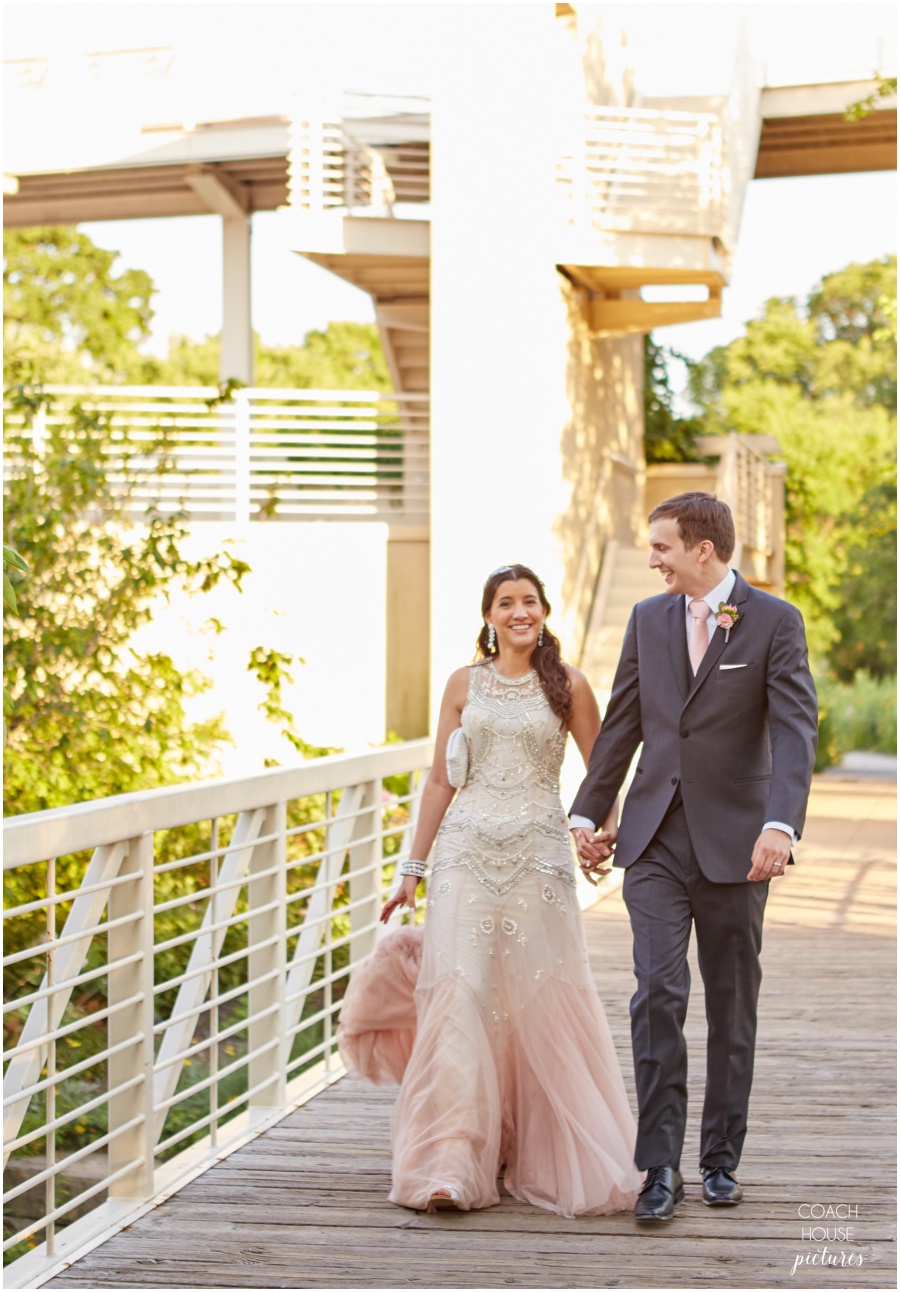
point(498, 324)
point(236, 357)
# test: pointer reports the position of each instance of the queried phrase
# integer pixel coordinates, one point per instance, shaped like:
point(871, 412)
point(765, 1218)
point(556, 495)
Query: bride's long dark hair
point(546, 659)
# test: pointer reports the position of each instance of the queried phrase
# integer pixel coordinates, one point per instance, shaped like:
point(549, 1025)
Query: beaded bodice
point(508, 820)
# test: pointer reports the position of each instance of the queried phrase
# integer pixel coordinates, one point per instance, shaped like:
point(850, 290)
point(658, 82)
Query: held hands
point(771, 854)
point(594, 851)
point(404, 896)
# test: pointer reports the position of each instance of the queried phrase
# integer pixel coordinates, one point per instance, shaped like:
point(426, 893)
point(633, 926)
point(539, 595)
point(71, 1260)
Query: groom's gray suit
point(724, 753)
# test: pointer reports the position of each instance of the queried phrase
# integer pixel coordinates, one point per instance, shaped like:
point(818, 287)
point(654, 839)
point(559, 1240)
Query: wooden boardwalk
point(305, 1204)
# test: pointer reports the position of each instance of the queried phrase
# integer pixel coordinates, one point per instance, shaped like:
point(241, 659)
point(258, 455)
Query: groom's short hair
point(700, 516)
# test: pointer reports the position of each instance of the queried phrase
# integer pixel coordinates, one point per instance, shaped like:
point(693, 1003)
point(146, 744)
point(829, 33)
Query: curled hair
point(546, 659)
point(699, 516)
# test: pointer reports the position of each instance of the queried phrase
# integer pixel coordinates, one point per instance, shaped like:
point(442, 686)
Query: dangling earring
point(541, 635)
point(492, 637)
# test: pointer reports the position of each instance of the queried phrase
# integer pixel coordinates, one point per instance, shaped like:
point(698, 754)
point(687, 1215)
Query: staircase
point(625, 578)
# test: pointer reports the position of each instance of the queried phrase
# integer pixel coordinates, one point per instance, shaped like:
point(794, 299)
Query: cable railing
point(175, 963)
point(261, 454)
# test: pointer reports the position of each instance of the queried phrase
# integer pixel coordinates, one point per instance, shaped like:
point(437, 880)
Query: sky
point(793, 231)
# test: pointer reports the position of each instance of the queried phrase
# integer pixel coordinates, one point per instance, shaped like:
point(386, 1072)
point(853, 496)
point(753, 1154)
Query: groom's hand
point(594, 851)
point(771, 854)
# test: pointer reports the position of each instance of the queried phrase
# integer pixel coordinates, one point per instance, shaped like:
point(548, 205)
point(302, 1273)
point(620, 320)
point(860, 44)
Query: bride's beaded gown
point(507, 1053)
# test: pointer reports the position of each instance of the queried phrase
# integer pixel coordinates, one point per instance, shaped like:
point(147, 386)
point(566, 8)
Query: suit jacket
point(740, 742)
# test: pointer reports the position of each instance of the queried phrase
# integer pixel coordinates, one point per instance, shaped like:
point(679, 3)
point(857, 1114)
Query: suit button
point(684, 735)
point(674, 780)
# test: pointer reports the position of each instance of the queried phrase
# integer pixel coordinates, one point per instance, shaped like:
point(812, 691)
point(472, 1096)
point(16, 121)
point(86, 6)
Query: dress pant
point(666, 892)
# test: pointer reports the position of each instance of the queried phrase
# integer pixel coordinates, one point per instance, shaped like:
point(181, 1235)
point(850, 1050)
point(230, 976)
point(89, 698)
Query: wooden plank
point(306, 1205)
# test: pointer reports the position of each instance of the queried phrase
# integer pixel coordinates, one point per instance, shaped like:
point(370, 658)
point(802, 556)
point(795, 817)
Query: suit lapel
point(716, 647)
point(676, 631)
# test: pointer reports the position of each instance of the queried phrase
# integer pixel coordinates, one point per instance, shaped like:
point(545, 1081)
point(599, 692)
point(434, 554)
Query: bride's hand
point(404, 896)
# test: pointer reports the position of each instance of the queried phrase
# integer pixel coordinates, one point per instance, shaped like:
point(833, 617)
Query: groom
point(714, 680)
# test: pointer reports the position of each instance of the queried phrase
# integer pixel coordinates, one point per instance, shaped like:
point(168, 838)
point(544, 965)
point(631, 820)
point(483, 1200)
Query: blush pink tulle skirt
point(490, 1022)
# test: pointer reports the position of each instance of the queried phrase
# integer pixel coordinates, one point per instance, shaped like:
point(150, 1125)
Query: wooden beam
point(221, 195)
point(623, 318)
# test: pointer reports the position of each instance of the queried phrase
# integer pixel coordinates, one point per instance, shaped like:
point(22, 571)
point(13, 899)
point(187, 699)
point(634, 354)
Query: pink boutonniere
point(727, 617)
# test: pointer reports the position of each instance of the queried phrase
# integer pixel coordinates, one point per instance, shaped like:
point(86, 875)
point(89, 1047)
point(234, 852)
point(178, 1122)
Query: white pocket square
point(723, 667)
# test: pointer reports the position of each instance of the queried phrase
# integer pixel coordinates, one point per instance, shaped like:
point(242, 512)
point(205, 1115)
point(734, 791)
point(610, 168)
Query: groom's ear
point(705, 549)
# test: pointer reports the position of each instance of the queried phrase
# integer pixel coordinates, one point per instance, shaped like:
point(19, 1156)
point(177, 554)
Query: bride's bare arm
point(438, 792)
point(584, 725)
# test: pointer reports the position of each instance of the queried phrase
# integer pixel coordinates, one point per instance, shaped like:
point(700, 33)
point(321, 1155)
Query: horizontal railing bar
point(86, 934)
point(206, 1005)
point(335, 976)
point(201, 931)
point(69, 896)
point(201, 894)
point(66, 984)
point(195, 858)
point(72, 1202)
point(218, 963)
point(96, 1016)
point(325, 884)
point(240, 1026)
point(65, 1074)
point(222, 1073)
point(67, 1161)
point(217, 1116)
point(321, 1048)
point(72, 1116)
point(35, 836)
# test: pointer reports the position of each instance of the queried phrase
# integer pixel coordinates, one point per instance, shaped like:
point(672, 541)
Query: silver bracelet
point(417, 868)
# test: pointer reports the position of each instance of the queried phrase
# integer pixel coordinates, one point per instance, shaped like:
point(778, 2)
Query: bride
point(498, 1035)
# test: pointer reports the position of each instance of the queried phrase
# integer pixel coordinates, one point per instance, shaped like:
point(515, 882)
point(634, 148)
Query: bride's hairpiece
point(501, 569)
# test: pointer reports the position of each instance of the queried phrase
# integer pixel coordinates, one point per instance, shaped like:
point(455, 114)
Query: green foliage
point(885, 88)
point(667, 437)
point(857, 715)
point(67, 316)
point(92, 716)
point(345, 356)
point(270, 667)
point(822, 380)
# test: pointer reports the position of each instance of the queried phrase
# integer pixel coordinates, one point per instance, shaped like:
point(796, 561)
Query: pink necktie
point(700, 612)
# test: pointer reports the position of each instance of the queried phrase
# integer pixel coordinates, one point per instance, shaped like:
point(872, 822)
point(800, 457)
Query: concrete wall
point(408, 635)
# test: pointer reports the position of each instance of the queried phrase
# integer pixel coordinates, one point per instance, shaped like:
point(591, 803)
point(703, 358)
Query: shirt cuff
point(780, 825)
point(581, 823)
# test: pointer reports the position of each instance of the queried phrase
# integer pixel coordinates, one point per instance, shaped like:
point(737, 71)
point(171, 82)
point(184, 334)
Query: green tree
point(91, 715)
point(68, 316)
point(667, 436)
point(345, 356)
point(821, 378)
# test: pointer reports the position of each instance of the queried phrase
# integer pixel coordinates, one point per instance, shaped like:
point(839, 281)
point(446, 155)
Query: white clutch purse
point(457, 759)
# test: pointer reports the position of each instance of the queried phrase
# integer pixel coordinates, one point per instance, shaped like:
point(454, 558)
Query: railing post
point(241, 401)
point(135, 1060)
point(365, 874)
point(268, 961)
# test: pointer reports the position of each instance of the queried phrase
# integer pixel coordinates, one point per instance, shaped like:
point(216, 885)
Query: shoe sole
point(722, 1202)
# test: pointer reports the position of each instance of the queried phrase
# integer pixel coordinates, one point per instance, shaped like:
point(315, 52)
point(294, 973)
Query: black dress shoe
point(720, 1188)
point(662, 1190)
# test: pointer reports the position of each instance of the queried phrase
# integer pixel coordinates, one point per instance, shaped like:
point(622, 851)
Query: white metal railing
point(175, 964)
point(642, 170)
point(364, 152)
point(262, 454)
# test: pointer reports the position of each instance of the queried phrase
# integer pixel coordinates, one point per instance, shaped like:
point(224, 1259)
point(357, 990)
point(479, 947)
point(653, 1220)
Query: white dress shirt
point(720, 593)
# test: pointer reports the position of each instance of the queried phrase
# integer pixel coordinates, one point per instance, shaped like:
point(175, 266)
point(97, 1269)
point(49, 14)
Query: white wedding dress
point(499, 1036)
